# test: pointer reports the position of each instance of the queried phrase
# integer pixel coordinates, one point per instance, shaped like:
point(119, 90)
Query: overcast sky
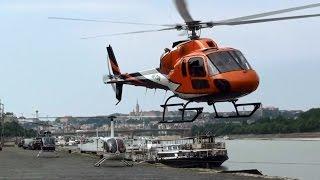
point(46, 66)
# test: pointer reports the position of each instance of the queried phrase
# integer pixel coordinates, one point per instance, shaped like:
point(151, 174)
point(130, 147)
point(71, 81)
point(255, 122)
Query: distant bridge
point(180, 131)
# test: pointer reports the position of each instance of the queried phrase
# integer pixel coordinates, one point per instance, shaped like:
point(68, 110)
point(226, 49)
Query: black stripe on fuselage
point(140, 79)
point(153, 85)
point(135, 74)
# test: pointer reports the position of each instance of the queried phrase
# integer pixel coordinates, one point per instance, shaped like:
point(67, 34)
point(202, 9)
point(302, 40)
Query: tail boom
point(151, 79)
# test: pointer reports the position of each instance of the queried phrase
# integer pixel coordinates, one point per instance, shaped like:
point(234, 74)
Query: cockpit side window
point(121, 146)
point(212, 70)
point(111, 145)
point(196, 67)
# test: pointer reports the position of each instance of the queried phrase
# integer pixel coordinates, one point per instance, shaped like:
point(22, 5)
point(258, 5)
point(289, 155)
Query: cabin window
point(211, 44)
point(196, 67)
point(200, 84)
point(183, 69)
point(224, 61)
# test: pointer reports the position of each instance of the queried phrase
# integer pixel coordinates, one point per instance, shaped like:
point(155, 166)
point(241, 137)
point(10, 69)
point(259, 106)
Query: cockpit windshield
point(229, 61)
point(239, 57)
point(48, 141)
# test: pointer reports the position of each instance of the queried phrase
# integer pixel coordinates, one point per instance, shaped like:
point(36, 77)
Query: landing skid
point(199, 110)
point(126, 163)
point(44, 154)
point(255, 106)
point(98, 164)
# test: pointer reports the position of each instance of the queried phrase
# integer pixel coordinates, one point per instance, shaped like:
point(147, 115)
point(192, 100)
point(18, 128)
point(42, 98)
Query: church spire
point(137, 107)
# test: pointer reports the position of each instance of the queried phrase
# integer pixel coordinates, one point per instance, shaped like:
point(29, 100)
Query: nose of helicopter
point(240, 82)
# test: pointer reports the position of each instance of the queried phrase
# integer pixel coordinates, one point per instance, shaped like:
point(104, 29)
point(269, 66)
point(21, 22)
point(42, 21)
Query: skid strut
point(98, 164)
point(43, 152)
point(184, 108)
point(103, 159)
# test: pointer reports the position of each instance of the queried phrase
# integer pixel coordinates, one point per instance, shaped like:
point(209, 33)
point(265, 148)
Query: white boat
point(202, 152)
point(94, 144)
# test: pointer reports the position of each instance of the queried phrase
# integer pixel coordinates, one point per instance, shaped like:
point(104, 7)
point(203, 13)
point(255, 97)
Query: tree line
point(13, 129)
point(308, 121)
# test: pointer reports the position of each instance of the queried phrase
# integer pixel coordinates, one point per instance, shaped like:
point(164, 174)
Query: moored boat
point(198, 152)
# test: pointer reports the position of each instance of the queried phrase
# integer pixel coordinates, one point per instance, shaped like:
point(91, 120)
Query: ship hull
point(195, 162)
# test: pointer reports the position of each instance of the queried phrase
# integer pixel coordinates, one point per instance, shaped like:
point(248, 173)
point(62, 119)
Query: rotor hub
point(193, 27)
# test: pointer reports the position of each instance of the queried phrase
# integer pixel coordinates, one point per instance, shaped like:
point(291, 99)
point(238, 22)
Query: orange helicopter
point(197, 69)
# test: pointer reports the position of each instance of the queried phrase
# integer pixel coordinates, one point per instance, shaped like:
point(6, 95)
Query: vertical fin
point(116, 72)
point(119, 92)
point(113, 61)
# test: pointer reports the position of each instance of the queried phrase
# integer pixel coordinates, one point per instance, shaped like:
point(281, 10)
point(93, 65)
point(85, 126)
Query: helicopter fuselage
point(206, 73)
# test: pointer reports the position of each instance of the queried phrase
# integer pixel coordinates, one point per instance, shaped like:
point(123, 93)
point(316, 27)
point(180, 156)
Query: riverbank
point(305, 136)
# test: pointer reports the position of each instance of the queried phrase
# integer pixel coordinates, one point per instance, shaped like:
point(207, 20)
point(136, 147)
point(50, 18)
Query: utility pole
point(37, 119)
point(2, 124)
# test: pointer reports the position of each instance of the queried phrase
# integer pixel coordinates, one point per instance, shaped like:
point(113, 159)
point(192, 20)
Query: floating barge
point(195, 152)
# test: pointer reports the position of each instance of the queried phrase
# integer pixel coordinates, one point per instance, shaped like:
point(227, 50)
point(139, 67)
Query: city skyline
point(137, 110)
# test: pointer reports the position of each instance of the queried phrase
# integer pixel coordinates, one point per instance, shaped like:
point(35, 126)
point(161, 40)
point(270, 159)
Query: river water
point(294, 158)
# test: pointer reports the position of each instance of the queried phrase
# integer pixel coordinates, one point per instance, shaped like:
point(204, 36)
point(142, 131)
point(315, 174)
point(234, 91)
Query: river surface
point(294, 158)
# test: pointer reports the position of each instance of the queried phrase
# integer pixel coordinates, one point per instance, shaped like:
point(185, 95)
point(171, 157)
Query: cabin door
point(197, 73)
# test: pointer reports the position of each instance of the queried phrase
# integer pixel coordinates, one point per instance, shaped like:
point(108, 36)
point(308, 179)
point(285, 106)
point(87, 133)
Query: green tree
point(308, 121)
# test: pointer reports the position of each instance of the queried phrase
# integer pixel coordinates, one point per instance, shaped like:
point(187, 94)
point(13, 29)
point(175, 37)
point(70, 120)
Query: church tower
point(137, 108)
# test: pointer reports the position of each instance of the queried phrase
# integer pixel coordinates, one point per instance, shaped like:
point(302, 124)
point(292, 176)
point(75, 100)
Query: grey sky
point(46, 66)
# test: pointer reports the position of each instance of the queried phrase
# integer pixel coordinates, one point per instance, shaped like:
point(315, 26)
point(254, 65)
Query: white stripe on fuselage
point(156, 77)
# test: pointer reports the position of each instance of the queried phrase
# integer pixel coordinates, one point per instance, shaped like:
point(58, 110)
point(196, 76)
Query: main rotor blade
point(182, 8)
point(271, 13)
point(234, 23)
point(108, 21)
point(132, 32)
